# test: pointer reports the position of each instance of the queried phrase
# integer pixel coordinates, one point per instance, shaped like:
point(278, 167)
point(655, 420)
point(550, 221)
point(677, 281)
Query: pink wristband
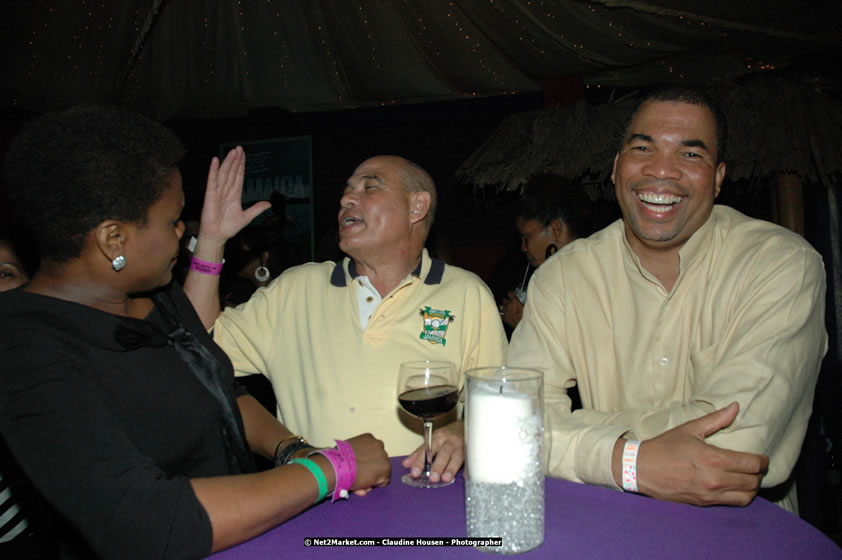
point(199, 265)
point(344, 464)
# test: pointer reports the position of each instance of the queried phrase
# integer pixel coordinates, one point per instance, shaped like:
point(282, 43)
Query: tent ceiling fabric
point(206, 58)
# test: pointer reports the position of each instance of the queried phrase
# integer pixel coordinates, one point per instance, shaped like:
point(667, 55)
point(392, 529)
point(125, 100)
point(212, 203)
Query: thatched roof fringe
point(781, 125)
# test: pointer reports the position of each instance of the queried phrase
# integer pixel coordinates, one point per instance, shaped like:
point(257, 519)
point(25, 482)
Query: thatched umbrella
point(783, 130)
point(782, 125)
point(571, 141)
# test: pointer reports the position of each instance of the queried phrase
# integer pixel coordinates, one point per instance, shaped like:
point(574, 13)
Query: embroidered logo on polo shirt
point(436, 322)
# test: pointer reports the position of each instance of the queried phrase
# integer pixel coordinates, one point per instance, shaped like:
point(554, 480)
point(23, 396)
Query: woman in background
point(549, 215)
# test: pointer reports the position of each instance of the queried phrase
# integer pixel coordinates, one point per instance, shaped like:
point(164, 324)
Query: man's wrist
point(630, 450)
point(617, 461)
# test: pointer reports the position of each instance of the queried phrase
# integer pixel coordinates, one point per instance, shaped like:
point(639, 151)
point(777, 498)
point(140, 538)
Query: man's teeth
point(349, 220)
point(658, 202)
point(656, 198)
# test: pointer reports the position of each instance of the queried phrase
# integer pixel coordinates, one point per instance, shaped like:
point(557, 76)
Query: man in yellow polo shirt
point(686, 325)
point(331, 336)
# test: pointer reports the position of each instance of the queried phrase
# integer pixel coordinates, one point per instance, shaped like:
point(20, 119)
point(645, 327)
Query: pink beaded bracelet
point(213, 269)
point(344, 464)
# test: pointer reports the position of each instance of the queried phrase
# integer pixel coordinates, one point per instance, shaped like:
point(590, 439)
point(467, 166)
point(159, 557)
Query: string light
point(448, 38)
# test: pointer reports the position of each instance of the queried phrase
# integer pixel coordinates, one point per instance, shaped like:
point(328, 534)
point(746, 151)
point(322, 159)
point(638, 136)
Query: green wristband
point(317, 474)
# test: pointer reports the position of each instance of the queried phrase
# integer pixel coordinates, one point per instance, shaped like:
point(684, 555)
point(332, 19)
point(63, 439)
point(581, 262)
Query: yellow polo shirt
point(744, 322)
point(332, 378)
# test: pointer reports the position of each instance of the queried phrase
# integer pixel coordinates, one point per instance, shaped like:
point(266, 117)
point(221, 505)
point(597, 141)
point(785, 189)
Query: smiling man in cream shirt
point(694, 333)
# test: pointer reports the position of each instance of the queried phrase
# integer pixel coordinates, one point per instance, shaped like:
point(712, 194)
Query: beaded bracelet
point(283, 456)
point(630, 450)
point(317, 473)
point(344, 465)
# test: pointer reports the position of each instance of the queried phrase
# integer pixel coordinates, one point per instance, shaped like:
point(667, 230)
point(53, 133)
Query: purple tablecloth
point(581, 522)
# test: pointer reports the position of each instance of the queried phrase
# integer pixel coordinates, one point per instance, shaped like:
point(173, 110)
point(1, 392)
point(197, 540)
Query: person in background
point(19, 538)
point(694, 333)
point(331, 336)
point(257, 255)
point(550, 214)
point(18, 257)
point(250, 263)
point(247, 266)
point(118, 409)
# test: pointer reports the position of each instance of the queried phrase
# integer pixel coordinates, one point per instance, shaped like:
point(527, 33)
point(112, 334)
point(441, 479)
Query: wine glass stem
point(428, 445)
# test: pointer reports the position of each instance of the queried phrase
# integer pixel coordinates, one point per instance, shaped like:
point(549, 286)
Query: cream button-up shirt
point(744, 321)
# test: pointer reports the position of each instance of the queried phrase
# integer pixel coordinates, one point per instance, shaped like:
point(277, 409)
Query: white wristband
point(191, 245)
point(630, 465)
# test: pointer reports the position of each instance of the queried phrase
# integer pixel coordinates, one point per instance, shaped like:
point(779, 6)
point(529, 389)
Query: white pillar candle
point(500, 445)
point(504, 476)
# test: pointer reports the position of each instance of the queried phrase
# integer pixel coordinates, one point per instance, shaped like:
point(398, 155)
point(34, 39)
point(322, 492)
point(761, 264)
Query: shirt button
point(369, 299)
point(665, 361)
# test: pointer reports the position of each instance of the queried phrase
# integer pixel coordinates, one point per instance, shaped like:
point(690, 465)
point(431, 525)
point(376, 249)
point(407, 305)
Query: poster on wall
point(283, 166)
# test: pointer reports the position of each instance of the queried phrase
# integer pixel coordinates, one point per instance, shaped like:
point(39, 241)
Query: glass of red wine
point(426, 390)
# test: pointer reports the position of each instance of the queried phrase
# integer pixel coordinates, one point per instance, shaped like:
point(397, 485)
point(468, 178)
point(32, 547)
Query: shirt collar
point(700, 242)
point(61, 315)
point(693, 248)
point(431, 270)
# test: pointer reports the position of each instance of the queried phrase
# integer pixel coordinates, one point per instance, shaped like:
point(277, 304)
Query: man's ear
point(419, 204)
point(557, 229)
point(719, 175)
point(614, 168)
point(110, 237)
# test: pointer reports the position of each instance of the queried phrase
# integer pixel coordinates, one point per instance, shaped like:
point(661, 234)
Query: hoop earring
point(261, 273)
point(119, 263)
point(551, 249)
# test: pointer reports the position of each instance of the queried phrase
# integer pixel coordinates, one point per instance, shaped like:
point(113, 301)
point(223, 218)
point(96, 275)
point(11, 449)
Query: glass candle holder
point(504, 471)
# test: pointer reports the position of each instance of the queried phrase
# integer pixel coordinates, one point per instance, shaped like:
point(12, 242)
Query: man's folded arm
point(768, 364)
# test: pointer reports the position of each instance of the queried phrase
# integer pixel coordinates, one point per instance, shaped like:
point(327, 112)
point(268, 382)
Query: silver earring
point(119, 263)
point(261, 273)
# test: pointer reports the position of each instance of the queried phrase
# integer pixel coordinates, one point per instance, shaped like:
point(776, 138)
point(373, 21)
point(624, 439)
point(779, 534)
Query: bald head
point(411, 177)
point(388, 202)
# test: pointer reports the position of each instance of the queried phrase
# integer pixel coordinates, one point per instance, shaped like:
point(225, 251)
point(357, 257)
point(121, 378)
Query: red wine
point(428, 402)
